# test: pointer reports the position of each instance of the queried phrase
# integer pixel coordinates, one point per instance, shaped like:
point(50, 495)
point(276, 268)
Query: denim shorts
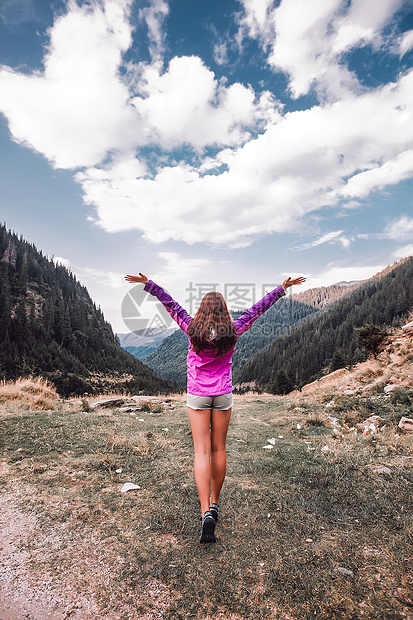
point(223, 402)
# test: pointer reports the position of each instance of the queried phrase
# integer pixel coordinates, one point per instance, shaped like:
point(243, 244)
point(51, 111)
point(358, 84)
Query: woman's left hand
point(293, 281)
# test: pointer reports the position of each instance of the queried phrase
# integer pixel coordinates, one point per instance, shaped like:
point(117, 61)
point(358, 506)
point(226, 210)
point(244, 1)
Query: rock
point(325, 449)
point(129, 486)
point(110, 402)
point(382, 470)
point(406, 424)
point(130, 408)
point(389, 388)
point(349, 392)
point(408, 327)
point(152, 399)
point(371, 425)
point(345, 571)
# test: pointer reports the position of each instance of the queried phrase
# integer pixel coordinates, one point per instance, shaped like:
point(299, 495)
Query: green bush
point(400, 396)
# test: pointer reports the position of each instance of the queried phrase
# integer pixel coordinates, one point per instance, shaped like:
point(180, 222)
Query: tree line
point(331, 338)
point(50, 326)
point(169, 360)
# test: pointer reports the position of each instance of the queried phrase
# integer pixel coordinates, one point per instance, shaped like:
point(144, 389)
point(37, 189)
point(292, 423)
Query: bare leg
point(219, 428)
point(201, 434)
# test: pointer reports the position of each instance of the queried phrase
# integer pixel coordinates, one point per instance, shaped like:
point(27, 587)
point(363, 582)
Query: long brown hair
point(212, 327)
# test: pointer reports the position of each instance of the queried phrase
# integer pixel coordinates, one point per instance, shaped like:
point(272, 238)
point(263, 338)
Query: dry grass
point(292, 517)
point(37, 394)
point(392, 367)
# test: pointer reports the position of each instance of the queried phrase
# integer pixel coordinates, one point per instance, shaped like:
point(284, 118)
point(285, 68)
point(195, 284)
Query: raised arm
point(176, 311)
point(246, 320)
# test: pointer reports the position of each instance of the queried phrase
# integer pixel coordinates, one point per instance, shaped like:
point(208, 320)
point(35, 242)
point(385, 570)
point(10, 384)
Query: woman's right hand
point(140, 279)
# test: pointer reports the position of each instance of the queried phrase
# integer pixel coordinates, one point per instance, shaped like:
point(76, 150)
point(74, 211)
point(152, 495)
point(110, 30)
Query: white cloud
point(220, 53)
point(406, 43)
point(154, 15)
point(257, 20)
point(390, 173)
point(80, 108)
point(401, 229)
point(306, 40)
point(304, 160)
point(403, 252)
point(338, 273)
point(75, 111)
point(186, 105)
point(335, 236)
point(138, 139)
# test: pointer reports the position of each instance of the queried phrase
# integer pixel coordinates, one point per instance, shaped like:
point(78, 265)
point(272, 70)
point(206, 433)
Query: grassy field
point(308, 528)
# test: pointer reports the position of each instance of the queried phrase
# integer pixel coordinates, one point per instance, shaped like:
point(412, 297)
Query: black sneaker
point(213, 508)
point(208, 529)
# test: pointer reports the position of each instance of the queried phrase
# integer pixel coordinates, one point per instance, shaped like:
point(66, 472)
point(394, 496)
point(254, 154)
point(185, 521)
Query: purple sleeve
point(246, 320)
point(176, 311)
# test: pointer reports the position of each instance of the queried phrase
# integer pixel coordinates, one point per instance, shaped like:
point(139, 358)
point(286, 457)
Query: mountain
point(390, 372)
point(310, 348)
point(169, 360)
point(50, 326)
point(143, 342)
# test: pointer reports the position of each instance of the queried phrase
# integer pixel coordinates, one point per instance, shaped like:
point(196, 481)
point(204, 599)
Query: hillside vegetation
point(306, 353)
point(315, 325)
point(169, 360)
point(50, 326)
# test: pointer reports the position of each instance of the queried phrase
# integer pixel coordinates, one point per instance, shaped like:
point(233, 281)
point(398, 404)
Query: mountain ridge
point(308, 351)
point(50, 326)
point(169, 359)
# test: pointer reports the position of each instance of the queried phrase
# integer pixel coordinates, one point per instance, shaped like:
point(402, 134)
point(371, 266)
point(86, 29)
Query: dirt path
point(20, 598)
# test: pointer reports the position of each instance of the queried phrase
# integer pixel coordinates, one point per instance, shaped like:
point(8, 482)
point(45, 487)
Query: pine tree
point(372, 338)
point(282, 383)
point(338, 361)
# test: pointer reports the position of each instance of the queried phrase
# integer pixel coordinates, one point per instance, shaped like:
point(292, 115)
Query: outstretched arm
point(246, 320)
point(176, 311)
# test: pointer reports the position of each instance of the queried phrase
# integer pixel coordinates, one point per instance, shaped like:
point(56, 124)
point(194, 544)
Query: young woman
point(212, 336)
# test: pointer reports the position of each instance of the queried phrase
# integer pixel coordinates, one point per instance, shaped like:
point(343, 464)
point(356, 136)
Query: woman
point(212, 336)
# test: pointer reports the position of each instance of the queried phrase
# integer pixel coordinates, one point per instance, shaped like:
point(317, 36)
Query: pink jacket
point(209, 375)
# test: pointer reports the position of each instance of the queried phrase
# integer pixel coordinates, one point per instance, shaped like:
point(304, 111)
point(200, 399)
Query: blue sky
point(208, 142)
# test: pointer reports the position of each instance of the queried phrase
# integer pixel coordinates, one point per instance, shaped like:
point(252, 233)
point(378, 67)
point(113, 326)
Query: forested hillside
point(143, 342)
point(169, 360)
point(323, 296)
point(50, 326)
point(309, 349)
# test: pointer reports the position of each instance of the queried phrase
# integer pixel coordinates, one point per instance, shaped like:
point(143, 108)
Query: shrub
point(400, 396)
point(372, 338)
